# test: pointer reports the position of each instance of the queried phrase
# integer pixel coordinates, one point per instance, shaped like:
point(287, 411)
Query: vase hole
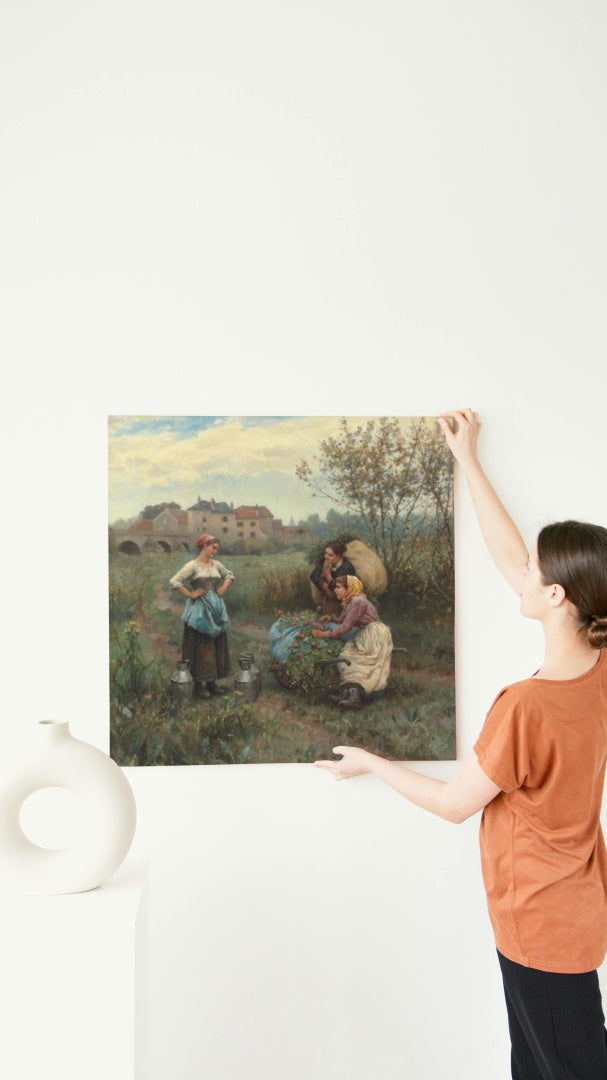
point(52, 818)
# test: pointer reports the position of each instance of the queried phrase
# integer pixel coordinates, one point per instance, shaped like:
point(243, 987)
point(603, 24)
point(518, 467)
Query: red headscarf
point(205, 539)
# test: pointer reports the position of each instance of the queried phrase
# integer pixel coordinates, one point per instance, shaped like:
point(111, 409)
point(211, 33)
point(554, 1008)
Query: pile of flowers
point(301, 669)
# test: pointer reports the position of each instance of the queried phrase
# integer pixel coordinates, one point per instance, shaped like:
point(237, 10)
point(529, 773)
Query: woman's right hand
point(506, 545)
point(461, 429)
point(354, 761)
point(196, 593)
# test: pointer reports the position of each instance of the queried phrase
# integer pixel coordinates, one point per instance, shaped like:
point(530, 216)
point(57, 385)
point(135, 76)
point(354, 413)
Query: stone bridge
point(132, 542)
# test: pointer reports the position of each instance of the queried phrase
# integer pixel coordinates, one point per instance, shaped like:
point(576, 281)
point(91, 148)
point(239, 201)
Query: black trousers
point(556, 1021)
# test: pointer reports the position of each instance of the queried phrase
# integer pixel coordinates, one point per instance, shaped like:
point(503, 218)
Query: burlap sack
point(369, 568)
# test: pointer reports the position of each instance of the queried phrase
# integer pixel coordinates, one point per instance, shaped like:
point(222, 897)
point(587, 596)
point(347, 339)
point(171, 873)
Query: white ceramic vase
point(108, 811)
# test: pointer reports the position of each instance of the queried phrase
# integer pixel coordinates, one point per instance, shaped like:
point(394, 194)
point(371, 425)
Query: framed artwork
point(279, 585)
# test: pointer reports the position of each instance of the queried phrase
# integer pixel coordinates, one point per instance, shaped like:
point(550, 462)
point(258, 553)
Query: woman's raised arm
point(506, 545)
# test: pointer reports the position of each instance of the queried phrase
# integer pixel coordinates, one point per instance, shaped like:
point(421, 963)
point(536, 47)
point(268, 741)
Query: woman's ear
point(557, 595)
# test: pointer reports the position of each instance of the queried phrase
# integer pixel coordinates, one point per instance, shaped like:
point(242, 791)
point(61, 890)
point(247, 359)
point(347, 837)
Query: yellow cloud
point(253, 459)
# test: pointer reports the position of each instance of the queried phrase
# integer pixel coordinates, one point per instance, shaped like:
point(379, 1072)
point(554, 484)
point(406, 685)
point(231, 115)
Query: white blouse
point(207, 576)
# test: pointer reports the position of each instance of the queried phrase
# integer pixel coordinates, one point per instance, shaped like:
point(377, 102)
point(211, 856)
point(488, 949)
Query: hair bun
point(597, 632)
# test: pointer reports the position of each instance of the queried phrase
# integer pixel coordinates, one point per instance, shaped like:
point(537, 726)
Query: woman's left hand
point(319, 633)
point(354, 762)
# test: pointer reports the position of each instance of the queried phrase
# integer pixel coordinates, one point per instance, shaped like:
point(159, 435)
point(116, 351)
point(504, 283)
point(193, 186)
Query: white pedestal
point(73, 981)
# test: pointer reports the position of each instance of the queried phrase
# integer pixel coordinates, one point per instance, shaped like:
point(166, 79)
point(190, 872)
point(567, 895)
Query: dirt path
point(158, 638)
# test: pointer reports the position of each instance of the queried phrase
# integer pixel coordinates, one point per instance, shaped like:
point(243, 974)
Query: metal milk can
point(182, 683)
point(245, 682)
point(254, 670)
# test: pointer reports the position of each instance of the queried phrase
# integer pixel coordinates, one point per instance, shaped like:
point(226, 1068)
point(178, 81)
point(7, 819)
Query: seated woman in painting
point(368, 650)
point(332, 564)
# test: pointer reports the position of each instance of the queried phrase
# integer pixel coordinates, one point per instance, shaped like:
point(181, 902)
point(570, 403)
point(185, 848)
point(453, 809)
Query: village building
point(254, 523)
point(177, 530)
point(213, 517)
point(294, 535)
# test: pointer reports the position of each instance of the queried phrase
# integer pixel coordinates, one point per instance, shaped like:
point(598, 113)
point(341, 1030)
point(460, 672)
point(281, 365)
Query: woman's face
point(331, 557)
point(211, 548)
point(340, 591)
point(534, 592)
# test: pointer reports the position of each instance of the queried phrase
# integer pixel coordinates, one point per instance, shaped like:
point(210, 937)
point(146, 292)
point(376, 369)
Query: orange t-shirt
point(543, 855)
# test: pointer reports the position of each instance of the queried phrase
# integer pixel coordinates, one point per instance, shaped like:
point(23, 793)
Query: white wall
point(281, 208)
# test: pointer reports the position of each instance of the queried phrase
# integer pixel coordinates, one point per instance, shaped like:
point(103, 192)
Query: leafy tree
point(396, 485)
point(437, 475)
point(313, 523)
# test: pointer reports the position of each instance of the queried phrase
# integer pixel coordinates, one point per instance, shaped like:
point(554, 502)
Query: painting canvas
point(277, 586)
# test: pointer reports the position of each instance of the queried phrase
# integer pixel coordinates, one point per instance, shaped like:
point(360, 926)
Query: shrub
point(130, 674)
point(302, 670)
point(160, 730)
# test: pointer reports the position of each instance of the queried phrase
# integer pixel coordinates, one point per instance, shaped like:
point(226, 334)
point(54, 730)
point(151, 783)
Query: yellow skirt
point(369, 655)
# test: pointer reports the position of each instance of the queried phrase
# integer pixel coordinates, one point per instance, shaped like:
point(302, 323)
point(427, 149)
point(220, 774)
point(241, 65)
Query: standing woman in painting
point(537, 772)
point(204, 581)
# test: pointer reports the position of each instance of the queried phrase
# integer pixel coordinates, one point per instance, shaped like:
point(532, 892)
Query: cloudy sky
point(155, 459)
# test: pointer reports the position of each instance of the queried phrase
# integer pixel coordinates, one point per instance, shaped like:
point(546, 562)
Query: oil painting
point(279, 585)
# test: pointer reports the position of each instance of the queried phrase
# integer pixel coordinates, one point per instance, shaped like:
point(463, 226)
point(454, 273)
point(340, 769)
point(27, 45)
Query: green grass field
point(413, 720)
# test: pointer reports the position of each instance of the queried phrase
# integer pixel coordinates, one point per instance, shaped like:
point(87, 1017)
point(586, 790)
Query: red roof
point(254, 511)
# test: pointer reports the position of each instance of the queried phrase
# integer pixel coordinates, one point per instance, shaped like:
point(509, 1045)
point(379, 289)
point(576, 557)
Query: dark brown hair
point(336, 546)
point(574, 554)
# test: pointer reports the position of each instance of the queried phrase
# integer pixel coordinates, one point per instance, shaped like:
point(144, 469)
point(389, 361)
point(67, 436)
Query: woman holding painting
point(537, 772)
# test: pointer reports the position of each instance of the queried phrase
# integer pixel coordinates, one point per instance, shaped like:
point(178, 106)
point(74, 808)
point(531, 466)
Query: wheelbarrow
point(280, 673)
